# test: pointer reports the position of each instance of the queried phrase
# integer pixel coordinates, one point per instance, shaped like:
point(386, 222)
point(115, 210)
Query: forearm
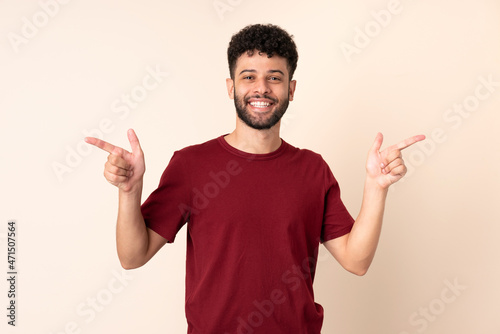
point(131, 231)
point(355, 250)
point(363, 239)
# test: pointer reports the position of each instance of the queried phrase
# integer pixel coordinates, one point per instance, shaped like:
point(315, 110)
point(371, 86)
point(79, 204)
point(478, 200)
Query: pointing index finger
point(409, 141)
point(103, 145)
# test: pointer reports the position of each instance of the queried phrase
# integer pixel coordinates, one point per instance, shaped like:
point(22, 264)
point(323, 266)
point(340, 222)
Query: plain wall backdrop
point(75, 68)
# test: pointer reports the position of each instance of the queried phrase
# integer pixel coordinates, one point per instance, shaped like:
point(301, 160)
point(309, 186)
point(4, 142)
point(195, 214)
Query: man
point(257, 208)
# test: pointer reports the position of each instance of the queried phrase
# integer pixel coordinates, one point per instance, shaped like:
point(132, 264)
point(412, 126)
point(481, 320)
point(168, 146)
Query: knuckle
point(108, 176)
point(401, 170)
point(113, 177)
point(110, 168)
point(117, 150)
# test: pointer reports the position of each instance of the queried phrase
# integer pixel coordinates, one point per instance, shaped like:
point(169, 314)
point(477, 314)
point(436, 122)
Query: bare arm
point(355, 250)
point(135, 243)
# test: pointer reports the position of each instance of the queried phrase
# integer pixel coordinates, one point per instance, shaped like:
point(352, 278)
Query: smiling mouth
point(260, 104)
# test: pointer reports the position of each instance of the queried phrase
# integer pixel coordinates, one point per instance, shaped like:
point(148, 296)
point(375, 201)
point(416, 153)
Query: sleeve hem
point(337, 234)
point(170, 238)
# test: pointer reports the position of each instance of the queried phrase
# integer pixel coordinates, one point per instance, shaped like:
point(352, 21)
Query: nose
point(262, 86)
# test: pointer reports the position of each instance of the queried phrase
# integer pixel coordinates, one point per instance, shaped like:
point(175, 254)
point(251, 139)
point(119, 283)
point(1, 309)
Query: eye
point(275, 78)
point(248, 77)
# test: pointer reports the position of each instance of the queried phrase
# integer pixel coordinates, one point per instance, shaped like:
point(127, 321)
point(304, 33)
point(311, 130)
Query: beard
point(260, 122)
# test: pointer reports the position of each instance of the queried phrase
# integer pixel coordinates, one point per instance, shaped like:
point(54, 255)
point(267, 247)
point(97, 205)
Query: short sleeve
point(337, 221)
point(166, 209)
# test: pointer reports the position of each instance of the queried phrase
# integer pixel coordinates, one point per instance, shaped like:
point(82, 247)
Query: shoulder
point(199, 150)
point(306, 155)
point(199, 157)
point(311, 164)
point(191, 158)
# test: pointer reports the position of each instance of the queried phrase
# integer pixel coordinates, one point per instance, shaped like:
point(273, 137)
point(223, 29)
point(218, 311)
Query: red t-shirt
point(255, 222)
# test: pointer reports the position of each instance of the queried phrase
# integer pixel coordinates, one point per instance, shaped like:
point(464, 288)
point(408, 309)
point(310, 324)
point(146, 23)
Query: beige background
point(64, 77)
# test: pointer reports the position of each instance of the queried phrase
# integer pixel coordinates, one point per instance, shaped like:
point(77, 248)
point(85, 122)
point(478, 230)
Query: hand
point(123, 169)
point(387, 167)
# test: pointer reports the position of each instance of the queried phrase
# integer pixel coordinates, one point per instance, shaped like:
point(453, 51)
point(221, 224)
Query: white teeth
point(260, 104)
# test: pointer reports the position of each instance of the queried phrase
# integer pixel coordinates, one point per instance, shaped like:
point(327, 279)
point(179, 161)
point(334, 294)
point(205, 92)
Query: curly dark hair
point(269, 39)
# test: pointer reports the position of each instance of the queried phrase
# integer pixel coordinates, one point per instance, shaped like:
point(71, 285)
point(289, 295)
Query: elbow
point(129, 265)
point(359, 269)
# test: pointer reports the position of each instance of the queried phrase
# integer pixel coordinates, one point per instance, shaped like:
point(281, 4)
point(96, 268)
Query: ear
point(230, 88)
point(291, 89)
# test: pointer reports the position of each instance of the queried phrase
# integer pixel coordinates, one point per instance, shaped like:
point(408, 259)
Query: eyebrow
point(270, 71)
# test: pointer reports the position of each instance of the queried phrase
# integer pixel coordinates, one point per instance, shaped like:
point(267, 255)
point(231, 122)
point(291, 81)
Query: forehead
point(261, 63)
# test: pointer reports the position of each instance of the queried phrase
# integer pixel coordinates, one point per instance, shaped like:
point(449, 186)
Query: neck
point(250, 140)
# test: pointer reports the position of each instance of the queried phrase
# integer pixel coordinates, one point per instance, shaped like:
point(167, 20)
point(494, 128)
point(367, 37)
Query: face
point(261, 89)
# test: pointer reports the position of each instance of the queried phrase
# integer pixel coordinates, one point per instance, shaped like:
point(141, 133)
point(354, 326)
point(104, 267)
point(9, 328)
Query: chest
point(260, 203)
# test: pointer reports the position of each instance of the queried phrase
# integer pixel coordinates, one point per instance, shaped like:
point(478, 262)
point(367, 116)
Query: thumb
point(134, 141)
point(377, 144)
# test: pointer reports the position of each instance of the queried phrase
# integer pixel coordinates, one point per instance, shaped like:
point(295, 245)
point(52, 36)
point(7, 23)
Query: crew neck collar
point(253, 156)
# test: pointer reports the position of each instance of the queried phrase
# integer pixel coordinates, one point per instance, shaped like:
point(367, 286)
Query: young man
point(257, 208)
